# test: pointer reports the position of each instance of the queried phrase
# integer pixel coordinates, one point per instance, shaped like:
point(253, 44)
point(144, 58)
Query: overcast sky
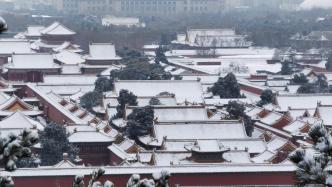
point(309, 4)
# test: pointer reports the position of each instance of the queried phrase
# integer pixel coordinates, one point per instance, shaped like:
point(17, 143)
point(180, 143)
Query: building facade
point(141, 8)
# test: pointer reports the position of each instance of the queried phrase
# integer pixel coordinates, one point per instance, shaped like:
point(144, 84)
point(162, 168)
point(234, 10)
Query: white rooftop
point(15, 46)
point(19, 121)
point(190, 91)
point(305, 101)
point(57, 29)
point(102, 51)
point(69, 79)
point(68, 57)
point(221, 130)
point(32, 61)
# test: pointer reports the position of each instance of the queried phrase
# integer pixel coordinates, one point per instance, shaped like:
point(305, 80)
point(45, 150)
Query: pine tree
point(54, 142)
point(125, 98)
point(3, 25)
point(91, 99)
point(140, 122)
point(227, 87)
point(103, 84)
point(300, 79)
point(236, 111)
point(267, 97)
point(312, 164)
point(160, 56)
point(154, 101)
point(286, 69)
point(14, 148)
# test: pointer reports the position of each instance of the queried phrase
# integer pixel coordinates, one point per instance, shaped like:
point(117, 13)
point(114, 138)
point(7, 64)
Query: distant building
point(315, 39)
point(33, 32)
point(212, 38)
point(102, 54)
point(122, 21)
point(31, 67)
point(271, 4)
point(13, 46)
point(55, 38)
point(141, 8)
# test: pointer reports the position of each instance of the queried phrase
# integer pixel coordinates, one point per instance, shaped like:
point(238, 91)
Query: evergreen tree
point(54, 142)
point(286, 69)
point(300, 79)
point(91, 99)
point(328, 64)
point(160, 56)
point(236, 111)
point(6, 181)
point(227, 87)
point(267, 97)
point(3, 25)
point(140, 122)
point(14, 148)
point(125, 98)
point(312, 164)
point(103, 84)
point(141, 71)
point(319, 86)
point(305, 89)
point(154, 101)
point(178, 77)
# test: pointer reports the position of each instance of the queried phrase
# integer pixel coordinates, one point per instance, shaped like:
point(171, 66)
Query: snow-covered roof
point(38, 44)
point(200, 130)
point(204, 79)
point(64, 164)
point(34, 30)
point(3, 97)
point(143, 101)
point(16, 46)
point(302, 101)
point(325, 114)
point(190, 91)
point(74, 69)
point(275, 144)
point(237, 157)
point(295, 126)
point(64, 46)
point(14, 104)
point(88, 136)
point(121, 153)
point(178, 113)
point(264, 157)
point(20, 121)
point(68, 57)
point(271, 118)
point(32, 61)
point(102, 51)
point(57, 29)
point(69, 79)
point(65, 89)
point(252, 145)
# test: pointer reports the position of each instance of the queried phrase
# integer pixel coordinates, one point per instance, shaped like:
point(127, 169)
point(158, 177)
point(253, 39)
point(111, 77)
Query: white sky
point(309, 4)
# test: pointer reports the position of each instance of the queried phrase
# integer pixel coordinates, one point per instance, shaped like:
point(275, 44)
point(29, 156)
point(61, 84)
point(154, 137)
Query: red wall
point(251, 89)
point(49, 111)
point(198, 179)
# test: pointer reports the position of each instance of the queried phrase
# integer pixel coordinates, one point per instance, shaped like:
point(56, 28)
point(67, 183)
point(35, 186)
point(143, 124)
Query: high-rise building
point(140, 7)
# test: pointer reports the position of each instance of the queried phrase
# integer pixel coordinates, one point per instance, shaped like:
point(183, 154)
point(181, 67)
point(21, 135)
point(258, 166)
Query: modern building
point(141, 8)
